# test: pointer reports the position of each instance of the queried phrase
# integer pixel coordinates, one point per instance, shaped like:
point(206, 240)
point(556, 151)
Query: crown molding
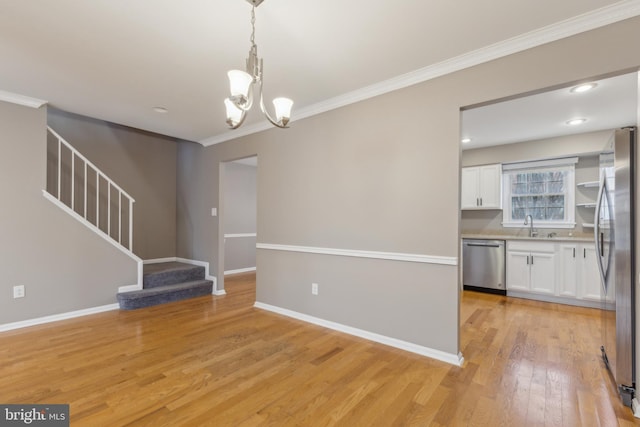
point(578, 24)
point(25, 101)
point(237, 133)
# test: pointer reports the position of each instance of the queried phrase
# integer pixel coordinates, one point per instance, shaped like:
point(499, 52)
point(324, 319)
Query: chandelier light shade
point(283, 108)
point(240, 83)
point(234, 114)
point(241, 87)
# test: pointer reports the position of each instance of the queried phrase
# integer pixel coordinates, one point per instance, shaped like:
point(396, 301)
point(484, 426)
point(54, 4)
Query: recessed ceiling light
point(466, 140)
point(583, 88)
point(160, 110)
point(574, 122)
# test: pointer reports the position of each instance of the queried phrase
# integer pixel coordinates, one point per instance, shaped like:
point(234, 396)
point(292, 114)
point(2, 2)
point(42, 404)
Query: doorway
point(238, 217)
point(531, 138)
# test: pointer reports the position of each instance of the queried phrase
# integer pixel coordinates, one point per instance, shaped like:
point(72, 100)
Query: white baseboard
point(57, 317)
point(559, 300)
point(159, 260)
point(129, 288)
point(453, 359)
point(635, 406)
point(239, 270)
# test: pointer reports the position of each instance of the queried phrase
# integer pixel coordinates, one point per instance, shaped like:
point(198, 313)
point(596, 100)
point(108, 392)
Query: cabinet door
point(591, 285)
point(569, 270)
point(543, 273)
point(490, 187)
point(518, 271)
point(469, 188)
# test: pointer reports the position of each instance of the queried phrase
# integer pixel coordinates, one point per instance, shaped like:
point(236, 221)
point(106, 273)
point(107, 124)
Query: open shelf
point(586, 205)
point(589, 184)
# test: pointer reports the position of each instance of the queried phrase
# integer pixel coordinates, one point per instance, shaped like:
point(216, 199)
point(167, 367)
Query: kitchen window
point(545, 190)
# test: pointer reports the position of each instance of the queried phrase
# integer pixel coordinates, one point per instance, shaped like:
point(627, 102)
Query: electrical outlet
point(18, 291)
point(314, 288)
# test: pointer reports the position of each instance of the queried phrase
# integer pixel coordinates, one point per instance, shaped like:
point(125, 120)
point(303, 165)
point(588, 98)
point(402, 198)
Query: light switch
point(214, 211)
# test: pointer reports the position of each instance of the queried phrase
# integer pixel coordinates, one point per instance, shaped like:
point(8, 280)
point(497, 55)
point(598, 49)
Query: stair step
point(164, 294)
point(169, 273)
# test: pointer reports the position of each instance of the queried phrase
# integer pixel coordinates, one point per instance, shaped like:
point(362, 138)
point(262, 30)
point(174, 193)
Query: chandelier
point(242, 82)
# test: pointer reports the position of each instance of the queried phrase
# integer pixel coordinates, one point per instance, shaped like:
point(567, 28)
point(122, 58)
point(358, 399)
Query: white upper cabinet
point(482, 187)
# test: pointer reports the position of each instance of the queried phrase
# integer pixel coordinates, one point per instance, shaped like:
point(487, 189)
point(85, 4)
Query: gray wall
point(142, 163)
point(587, 169)
point(239, 213)
point(63, 265)
point(380, 175)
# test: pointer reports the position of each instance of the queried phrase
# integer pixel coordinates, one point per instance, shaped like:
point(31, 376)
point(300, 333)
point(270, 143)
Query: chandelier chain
point(253, 26)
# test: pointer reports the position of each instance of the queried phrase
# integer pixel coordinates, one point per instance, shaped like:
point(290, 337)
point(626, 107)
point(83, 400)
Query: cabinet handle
point(584, 252)
point(531, 259)
point(574, 252)
point(527, 259)
point(480, 201)
point(477, 201)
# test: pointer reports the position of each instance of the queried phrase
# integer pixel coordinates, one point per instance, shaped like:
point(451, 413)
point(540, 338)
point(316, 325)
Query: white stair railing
point(122, 203)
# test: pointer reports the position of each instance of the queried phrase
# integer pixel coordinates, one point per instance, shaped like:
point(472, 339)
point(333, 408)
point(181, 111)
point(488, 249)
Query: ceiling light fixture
point(466, 140)
point(241, 84)
point(161, 110)
point(583, 88)
point(574, 122)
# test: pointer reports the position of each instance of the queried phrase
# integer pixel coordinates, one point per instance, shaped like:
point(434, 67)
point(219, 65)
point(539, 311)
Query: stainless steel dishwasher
point(483, 266)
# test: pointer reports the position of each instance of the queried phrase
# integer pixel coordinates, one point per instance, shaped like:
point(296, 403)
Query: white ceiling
point(115, 60)
point(611, 104)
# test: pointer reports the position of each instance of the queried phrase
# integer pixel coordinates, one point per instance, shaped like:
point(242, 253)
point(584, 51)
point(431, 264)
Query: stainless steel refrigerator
point(614, 235)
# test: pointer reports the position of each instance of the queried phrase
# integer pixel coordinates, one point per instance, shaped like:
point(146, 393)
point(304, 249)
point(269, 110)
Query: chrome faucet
point(528, 220)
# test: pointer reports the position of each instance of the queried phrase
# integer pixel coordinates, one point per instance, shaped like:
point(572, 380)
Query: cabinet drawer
point(529, 246)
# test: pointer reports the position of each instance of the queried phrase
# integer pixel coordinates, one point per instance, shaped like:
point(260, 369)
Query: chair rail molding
point(393, 256)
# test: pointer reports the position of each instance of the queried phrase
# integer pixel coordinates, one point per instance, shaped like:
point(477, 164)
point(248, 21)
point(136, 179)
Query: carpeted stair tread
point(169, 273)
point(164, 294)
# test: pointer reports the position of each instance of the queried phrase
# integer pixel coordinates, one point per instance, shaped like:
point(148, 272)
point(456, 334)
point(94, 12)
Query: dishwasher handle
point(484, 245)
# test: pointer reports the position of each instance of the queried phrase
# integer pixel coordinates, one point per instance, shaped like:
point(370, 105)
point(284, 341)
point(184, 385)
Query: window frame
point(555, 165)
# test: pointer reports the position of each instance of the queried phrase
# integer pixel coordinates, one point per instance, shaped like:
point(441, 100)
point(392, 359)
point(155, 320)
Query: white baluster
point(97, 199)
point(85, 190)
point(119, 216)
point(73, 181)
point(109, 208)
point(59, 166)
point(131, 224)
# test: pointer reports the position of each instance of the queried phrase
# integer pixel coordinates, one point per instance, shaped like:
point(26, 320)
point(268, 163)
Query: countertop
point(542, 238)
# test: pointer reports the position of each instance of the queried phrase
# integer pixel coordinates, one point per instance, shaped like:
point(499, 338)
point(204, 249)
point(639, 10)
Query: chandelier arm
point(279, 124)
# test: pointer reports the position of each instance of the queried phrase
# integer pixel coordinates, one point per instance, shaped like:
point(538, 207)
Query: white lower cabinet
point(590, 279)
point(580, 277)
point(562, 271)
point(518, 271)
point(531, 267)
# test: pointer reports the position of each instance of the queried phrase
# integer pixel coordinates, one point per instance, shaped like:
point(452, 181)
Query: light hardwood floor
point(219, 361)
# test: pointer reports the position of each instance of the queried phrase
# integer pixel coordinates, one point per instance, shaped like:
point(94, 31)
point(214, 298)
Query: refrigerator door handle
point(597, 233)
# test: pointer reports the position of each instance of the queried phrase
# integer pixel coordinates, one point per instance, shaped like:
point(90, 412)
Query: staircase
point(167, 282)
point(85, 192)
